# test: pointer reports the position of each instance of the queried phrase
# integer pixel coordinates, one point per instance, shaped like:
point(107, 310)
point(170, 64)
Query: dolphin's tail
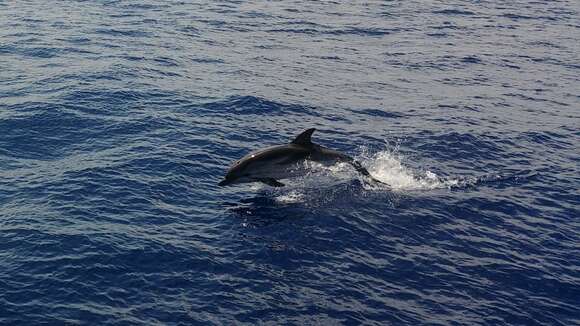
point(362, 170)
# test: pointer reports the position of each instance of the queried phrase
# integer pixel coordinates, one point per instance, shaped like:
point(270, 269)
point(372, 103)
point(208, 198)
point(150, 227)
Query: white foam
point(294, 196)
point(387, 166)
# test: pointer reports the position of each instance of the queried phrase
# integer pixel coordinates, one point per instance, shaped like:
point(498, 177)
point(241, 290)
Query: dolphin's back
point(275, 153)
point(280, 154)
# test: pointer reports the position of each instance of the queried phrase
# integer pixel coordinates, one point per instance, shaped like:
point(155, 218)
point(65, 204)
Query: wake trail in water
point(387, 166)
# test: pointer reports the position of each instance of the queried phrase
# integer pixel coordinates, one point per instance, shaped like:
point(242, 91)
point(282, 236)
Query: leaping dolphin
point(270, 164)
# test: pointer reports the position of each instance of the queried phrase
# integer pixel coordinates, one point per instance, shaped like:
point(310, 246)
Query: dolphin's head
point(236, 174)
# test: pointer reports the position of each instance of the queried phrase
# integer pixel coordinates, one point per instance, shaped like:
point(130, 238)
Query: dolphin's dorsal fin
point(304, 138)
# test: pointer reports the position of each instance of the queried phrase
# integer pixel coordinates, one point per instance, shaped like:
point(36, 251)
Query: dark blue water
point(118, 118)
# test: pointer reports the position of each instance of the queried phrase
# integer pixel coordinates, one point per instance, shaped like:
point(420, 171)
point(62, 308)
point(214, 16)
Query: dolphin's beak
point(224, 182)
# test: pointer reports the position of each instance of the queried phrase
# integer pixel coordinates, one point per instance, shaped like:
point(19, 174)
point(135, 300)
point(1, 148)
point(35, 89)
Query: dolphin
point(270, 164)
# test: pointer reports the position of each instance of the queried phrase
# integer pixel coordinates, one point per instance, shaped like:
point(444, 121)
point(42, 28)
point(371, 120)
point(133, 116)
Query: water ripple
point(119, 118)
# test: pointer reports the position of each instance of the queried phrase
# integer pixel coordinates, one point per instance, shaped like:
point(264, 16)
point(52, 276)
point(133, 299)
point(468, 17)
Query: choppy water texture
point(118, 118)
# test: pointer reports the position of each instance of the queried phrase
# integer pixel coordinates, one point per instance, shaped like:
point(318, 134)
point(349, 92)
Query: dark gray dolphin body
point(270, 164)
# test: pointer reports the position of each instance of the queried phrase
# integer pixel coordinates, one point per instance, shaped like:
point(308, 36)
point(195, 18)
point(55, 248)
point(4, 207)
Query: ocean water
point(119, 118)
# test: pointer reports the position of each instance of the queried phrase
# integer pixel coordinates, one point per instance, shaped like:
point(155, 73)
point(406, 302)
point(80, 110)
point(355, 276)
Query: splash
point(326, 183)
point(387, 167)
point(294, 196)
point(323, 183)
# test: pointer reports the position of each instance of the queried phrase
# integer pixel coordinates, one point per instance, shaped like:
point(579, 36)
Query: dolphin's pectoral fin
point(271, 182)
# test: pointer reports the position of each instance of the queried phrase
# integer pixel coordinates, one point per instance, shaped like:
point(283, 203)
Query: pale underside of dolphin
point(274, 163)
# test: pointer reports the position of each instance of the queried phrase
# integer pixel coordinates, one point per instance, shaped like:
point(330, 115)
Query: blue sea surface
point(118, 119)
